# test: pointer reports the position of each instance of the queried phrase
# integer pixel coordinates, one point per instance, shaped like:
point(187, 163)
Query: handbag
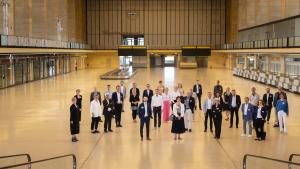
point(172, 117)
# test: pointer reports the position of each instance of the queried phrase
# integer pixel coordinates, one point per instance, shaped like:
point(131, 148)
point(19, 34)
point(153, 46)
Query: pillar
point(282, 65)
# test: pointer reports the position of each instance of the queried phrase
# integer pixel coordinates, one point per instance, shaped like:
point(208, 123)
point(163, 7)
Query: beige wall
point(37, 19)
point(107, 60)
point(232, 22)
point(221, 61)
point(257, 12)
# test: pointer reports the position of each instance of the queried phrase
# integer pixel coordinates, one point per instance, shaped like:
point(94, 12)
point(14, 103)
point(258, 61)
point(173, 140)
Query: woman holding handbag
point(178, 119)
point(134, 102)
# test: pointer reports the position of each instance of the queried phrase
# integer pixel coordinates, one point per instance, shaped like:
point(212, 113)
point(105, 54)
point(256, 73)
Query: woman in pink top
point(166, 104)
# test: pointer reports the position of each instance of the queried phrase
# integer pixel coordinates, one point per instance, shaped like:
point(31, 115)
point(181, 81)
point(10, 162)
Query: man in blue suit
point(145, 114)
point(247, 113)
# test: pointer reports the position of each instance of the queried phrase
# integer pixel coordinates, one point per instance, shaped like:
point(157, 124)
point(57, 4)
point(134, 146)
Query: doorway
point(125, 61)
point(169, 61)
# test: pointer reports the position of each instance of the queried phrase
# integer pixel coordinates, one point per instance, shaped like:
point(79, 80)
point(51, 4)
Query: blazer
point(145, 94)
point(217, 111)
point(270, 99)
point(218, 89)
point(250, 112)
point(276, 97)
point(137, 92)
point(107, 107)
point(74, 113)
point(238, 101)
point(191, 103)
point(141, 111)
point(133, 99)
point(195, 89)
point(92, 96)
point(263, 111)
point(79, 101)
point(114, 98)
point(175, 113)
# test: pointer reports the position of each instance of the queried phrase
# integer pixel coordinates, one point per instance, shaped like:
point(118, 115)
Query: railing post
point(245, 161)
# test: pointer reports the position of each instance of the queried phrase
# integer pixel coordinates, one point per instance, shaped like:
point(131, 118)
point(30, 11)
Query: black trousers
point(208, 114)
point(118, 111)
point(79, 115)
point(234, 111)
point(107, 122)
point(94, 124)
point(218, 125)
point(259, 127)
point(134, 114)
point(157, 116)
point(269, 108)
point(143, 122)
point(199, 100)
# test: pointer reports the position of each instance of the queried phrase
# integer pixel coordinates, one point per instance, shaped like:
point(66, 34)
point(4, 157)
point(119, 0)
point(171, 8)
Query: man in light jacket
point(96, 113)
point(247, 114)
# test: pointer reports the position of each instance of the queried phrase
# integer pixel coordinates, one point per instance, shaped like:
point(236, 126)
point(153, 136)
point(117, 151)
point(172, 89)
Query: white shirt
point(122, 89)
point(119, 97)
point(95, 109)
point(209, 103)
point(254, 99)
point(267, 99)
point(175, 110)
point(259, 113)
point(245, 109)
point(197, 88)
point(174, 95)
point(233, 101)
point(156, 101)
point(146, 109)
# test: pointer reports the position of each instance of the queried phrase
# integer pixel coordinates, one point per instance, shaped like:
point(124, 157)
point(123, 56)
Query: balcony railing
point(18, 41)
point(288, 42)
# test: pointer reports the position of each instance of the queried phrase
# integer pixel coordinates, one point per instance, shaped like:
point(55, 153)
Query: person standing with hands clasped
point(207, 107)
point(259, 118)
point(217, 116)
point(95, 111)
point(178, 119)
point(107, 112)
point(79, 102)
point(282, 109)
point(74, 119)
point(145, 114)
point(247, 111)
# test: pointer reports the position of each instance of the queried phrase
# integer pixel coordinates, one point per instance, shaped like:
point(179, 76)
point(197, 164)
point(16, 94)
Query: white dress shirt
point(267, 99)
point(254, 99)
point(174, 95)
point(233, 101)
point(209, 104)
point(245, 109)
point(95, 109)
point(119, 98)
point(146, 109)
point(197, 88)
point(156, 101)
point(259, 113)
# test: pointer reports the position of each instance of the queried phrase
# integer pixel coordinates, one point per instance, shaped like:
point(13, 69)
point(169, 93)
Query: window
point(275, 67)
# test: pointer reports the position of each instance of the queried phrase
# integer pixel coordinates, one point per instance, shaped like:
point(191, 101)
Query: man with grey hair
point(189, 104)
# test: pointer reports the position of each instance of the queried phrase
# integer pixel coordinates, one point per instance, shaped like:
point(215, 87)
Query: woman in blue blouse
point(282, 109)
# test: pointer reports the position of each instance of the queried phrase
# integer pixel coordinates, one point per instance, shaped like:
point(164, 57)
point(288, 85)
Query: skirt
point(75, 128)
point(166, 110)
point(178, 126)
point(226, 107)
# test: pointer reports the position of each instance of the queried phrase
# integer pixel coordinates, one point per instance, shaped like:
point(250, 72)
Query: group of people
point(179, 107)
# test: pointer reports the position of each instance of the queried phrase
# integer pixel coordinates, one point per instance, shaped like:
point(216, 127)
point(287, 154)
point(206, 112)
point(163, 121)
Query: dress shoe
point(110, 130)
point(148, 139)
point(205, 130)
point(237, 127)
point(211, 130)
point(97, 131)
point(120, 125)
point(190, 130)
point(230, 126)
point(276, 125)
point(105, 131)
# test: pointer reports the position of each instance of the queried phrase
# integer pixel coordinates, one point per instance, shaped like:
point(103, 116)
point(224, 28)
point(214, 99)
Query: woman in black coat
point(259, 117)
point(217, 116)
point(134, 102)
point(79, 102)
point(74, 119)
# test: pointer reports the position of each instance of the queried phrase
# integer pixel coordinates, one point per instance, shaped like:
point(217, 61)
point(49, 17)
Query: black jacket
point(218, 89)
point(106, 105)
point(137, 92)
point(145, 94)
point(270, 100)
point(263, 112)
point(74, 113)
point(79, 101)
point(238, 101)
point(191, 103)
point(195, 89)
point(216, 110)
point(114, 98)
point(132, 99)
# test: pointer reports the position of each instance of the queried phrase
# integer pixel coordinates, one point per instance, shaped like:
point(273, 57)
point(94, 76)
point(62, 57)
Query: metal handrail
point(18, 155)
point(292, 156)
point(43, 160)
point(266, 158)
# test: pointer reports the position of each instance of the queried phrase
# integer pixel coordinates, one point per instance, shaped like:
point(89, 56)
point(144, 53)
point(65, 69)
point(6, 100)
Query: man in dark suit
point(136, 89)
point(108, 113)
point(198, 90)
point(117, 99)
point(268, 100)
point(276, 98)
point(148, 93)
point(145, 113)
point(93, 94)
point(234, 105)
point(218, 88)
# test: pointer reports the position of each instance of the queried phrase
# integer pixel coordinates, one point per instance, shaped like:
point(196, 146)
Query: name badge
point(143, 107)
point(248, 109)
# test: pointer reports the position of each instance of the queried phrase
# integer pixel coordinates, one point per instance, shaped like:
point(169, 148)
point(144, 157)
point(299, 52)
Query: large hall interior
point(149, 84)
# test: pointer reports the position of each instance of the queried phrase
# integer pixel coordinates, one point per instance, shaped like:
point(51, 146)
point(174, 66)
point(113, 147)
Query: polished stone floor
point(34, 119)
